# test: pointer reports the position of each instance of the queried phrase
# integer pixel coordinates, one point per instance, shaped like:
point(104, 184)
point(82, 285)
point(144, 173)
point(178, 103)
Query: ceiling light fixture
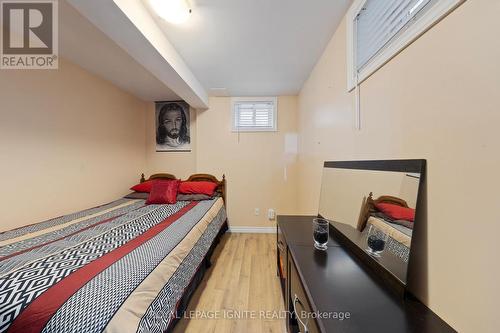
point(173, 11)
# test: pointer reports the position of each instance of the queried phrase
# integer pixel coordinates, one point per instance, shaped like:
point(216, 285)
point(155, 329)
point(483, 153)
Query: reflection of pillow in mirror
point(396, 212)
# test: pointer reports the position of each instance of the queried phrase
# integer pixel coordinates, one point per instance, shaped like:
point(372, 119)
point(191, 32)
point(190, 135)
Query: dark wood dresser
point(335, 292)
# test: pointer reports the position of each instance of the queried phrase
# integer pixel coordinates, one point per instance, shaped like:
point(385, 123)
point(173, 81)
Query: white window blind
point(254, 115)
point(379, 21)
point(378, 29)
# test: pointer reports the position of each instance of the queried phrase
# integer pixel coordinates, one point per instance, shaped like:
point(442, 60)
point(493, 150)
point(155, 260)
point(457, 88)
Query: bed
point(121, 267)
point(399, 235)
point(397, 232)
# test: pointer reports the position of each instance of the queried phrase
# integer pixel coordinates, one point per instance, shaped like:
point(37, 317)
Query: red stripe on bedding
point(38, 313)
point(58, 239)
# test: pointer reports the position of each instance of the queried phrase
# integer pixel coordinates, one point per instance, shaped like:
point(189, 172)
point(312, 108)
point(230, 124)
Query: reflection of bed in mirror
point(399, 229)
point(359, 197)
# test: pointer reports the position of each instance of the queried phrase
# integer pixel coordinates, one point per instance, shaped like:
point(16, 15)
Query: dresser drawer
point(282, 256)
point(281, 242)
point(300, 303)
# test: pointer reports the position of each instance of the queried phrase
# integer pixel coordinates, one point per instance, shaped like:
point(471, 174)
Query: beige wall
point(68, 141)
point(437, 100)
point(253, 164)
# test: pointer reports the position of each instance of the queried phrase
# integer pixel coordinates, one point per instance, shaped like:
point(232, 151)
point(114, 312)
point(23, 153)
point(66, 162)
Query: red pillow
point(163, 192)
point(143, 187)
point(396, 212)
point(207, 188)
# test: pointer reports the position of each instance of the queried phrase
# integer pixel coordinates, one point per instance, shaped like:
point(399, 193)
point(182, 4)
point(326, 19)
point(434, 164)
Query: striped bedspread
point(120, 267)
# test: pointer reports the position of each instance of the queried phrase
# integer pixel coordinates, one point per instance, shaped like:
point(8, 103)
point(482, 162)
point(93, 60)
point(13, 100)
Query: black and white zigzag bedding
point(89, 271)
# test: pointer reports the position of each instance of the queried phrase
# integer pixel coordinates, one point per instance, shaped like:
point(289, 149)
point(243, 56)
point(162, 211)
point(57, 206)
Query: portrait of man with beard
point(172, 126)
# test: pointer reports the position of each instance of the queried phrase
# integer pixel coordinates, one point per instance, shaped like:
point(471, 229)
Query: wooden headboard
point(197, 177)
point(158, 176)
point(369, 207)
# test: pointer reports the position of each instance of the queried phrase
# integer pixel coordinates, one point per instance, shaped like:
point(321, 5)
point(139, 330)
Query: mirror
point(374, 204)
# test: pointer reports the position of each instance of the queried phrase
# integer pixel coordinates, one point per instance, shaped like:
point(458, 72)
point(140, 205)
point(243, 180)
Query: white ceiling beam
point(130, 25)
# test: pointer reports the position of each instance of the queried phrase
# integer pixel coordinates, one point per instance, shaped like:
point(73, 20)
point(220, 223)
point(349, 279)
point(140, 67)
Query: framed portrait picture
point(172, 126)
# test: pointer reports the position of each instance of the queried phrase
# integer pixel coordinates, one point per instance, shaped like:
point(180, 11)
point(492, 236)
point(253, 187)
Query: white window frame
point(401, 41)
point(273, 100)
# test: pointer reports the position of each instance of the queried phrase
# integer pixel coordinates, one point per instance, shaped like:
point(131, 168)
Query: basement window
point(254, 114)
point(377, 30)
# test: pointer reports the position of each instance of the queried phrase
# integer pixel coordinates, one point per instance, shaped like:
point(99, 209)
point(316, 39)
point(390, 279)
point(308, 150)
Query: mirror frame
point(350, 239)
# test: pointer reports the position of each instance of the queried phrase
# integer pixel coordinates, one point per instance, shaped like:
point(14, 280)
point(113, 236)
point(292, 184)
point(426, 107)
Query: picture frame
point(173, 126)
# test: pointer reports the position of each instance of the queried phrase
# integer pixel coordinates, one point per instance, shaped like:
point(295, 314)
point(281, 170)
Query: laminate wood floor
point(242, 282)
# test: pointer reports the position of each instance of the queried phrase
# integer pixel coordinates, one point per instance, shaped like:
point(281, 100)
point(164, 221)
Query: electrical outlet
point(257, 211)
point(271, 214)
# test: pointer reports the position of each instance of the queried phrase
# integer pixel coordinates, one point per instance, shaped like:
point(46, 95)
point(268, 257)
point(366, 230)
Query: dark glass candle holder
point(376, 241)
point(320, 233)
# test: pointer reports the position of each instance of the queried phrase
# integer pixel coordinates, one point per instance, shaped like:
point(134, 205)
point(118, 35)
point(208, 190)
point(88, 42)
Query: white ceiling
point(255, 47)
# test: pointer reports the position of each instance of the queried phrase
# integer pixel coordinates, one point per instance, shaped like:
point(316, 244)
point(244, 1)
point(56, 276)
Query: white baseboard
point(253, 230)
